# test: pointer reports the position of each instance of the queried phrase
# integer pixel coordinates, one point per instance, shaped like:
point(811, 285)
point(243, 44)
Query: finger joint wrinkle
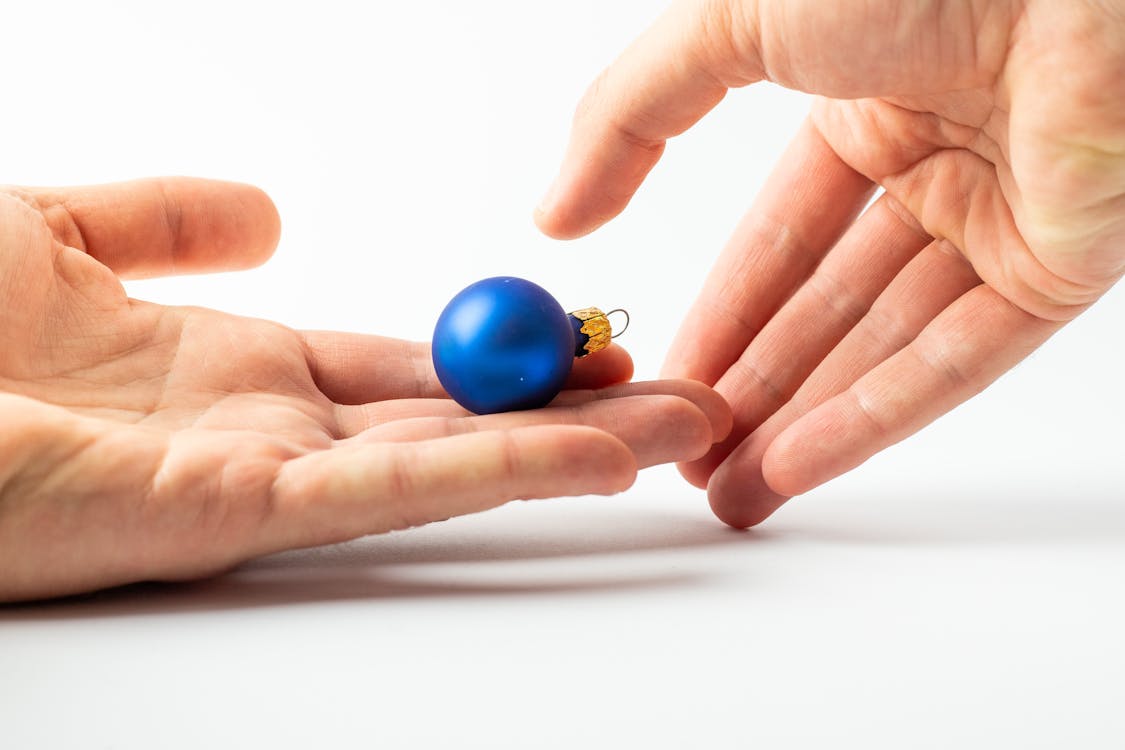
point(865, 407)
point(776, 396)
point(937, 356)
point(171, 216)
point(849, 308)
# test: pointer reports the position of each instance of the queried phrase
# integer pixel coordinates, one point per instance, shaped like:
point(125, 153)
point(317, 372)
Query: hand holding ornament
point(144, 442)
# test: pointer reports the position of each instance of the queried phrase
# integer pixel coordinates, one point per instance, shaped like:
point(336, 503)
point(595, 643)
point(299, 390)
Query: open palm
point(149, 442)
point(997, 131)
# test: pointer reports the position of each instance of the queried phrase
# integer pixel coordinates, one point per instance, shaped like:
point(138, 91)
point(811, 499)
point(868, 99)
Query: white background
point(963, 589)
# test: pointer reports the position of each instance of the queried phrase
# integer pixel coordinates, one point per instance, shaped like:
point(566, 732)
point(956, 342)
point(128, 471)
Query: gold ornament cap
point(592, 330)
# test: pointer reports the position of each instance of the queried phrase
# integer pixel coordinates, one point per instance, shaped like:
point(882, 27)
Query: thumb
point(680, 68)
point(159, 227)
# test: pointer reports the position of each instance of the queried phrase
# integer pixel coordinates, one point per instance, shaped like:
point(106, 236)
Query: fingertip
point(713, 405)
point(605, 459)
point(602, 171)
point(610, 366)
point(694, 473)
point(738, 493)
point(690, 427)
point(722, 418)
point(670, 428)
point(781, 467)
point(559, 226)
point(738, 515)
point(550, 220)
point(699, 471)
point(625, 477)
point(593, 461)
point(261, 225)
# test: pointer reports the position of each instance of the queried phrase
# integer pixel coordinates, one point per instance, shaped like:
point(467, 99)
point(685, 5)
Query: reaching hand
point(996, 129)
point(147, 442)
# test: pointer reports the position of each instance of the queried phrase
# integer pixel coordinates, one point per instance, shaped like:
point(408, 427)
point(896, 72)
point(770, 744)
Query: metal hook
point(623, 312)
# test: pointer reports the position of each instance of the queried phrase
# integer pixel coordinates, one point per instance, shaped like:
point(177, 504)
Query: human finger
point(812, 322)
point(964, 350)
point(705, 398)
point(932, 281)
point(355, 368)
point(656, 89)
point(163, 226)
point(682, 66)
point(359, 489)
point(606, 367)
point(658, 429)
point(353, 420)
point(811, 198)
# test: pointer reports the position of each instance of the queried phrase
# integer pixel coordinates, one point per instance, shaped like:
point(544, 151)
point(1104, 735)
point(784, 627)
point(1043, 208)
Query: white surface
point(961, 590)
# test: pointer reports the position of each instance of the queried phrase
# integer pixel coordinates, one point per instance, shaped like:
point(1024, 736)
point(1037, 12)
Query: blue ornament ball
point(503, 344)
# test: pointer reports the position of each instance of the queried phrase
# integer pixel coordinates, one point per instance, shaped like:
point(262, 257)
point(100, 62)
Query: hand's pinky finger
point(966, 348)
point(347, 492)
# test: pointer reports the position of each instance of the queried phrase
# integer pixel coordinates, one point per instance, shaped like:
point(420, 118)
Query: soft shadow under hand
point(396, 566)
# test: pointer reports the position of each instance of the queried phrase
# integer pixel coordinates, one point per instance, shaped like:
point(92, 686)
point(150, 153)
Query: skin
point(143, 442)
point(996, 130)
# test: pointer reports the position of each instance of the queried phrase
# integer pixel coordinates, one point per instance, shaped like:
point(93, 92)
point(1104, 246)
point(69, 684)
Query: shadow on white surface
point(589, 548)
point(985, 517)
point(492, 555)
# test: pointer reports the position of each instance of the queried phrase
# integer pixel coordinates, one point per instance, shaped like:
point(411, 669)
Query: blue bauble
point(503, 344)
